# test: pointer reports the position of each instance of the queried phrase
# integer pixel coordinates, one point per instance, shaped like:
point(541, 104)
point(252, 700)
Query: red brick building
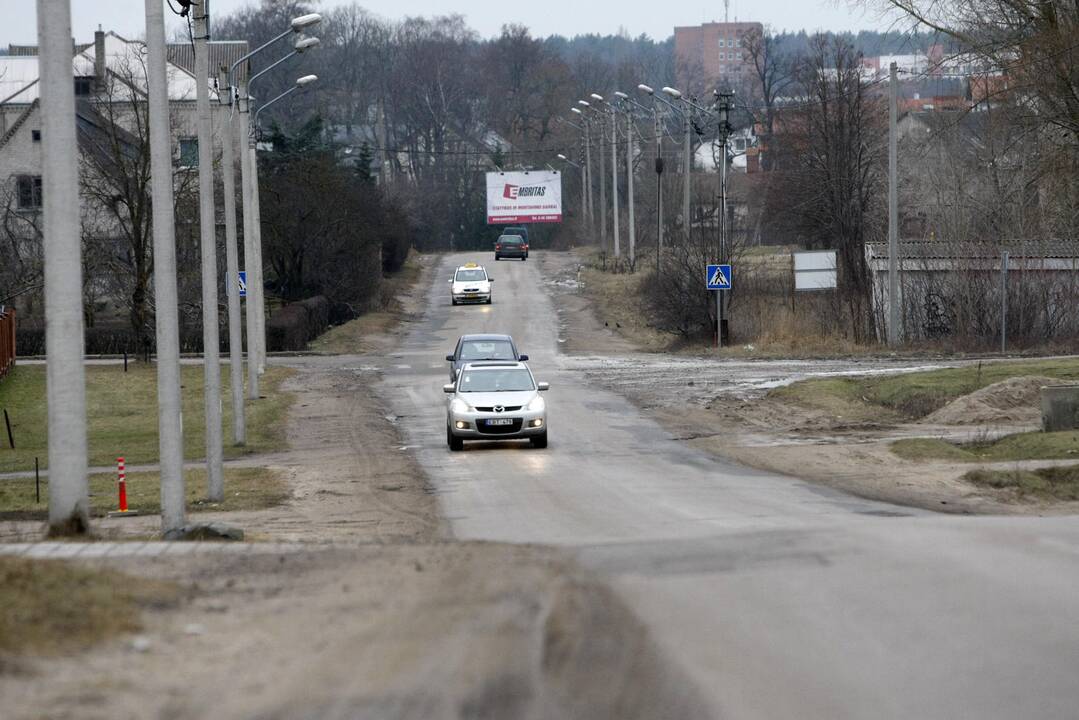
point(714, 50)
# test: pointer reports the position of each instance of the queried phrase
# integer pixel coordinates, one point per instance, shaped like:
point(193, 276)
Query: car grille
point(481, 426)
point(507, 408)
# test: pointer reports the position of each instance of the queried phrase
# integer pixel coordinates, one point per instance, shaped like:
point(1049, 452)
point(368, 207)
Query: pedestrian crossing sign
point(718, 277)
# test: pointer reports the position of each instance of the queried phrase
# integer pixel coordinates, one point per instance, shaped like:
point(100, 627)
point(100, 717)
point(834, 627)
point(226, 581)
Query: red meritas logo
point(512, 192)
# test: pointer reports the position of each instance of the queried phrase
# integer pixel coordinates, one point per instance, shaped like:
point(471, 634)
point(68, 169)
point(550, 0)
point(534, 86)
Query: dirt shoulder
point(373, 612)
point(399, 631)
point(723, 407)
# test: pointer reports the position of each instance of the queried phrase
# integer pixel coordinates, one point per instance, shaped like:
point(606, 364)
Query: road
point(779, 597)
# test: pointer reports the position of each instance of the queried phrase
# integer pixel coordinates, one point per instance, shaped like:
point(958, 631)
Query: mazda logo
point(499, 408)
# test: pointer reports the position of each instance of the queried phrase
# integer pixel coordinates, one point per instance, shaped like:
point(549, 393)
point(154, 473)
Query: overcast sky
point(544, 17)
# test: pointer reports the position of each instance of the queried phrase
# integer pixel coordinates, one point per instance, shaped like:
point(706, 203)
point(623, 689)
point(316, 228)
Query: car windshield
point(510, 240)
point(487, 350)
point(492, 380)
point(477, 275)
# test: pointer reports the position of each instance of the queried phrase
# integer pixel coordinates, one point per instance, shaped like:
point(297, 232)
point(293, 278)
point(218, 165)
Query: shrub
point(292, 326)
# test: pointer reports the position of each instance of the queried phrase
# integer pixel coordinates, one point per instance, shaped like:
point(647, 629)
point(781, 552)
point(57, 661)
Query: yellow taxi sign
point(471, 265)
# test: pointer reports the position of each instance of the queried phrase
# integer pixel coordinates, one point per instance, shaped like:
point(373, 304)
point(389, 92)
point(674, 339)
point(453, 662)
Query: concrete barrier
point(1060, 408)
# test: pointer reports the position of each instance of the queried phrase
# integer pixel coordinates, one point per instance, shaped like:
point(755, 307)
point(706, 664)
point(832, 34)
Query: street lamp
point(584, 177)
point(626, 102)
point(587, 131)
point(687, 124)
point(299, 84)
point(252, 249)
point(300, 46)
point(614, 170)
point(658, 130)
point(602, 176)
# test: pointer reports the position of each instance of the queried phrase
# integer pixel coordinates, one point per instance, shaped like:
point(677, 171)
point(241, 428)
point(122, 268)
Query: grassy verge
point(52, 608)
point(351, 337)
point(617, 299)
point(914, 395)
point(245, 489)
point(1021, 446)
point(1058, 483)
point(122, 415)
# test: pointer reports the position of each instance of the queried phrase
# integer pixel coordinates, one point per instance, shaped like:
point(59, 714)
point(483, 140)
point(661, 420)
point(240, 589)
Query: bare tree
point(830, 180)
point(115, 169)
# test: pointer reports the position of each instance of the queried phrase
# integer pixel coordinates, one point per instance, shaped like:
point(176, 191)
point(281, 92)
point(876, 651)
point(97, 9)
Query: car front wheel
point(539, 441)
point(455, 443)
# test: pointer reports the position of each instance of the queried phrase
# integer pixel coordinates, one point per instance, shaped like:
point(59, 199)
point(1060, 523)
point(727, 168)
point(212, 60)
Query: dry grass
point(1058, 483)
point(245, 489)
point(916, 395)
point(354, 336)
point(618, 301)
point(1017, 447)
point(51, 608)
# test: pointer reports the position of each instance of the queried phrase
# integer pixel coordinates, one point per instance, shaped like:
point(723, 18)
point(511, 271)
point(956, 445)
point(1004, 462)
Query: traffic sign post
point(242, 280)
point(718, 279)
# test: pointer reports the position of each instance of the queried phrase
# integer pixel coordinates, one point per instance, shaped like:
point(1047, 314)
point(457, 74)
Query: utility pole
point(588, 175)
point(688, 169)
point(256, 227)
point(893, 207)
point(614, 180)
point(629, 190)
point(602, 190)
point(211, 360)
point(659, 181)
point(232, 266)
point(170, 420)
point(723, 111)
point(65, 372)
point(250, 256)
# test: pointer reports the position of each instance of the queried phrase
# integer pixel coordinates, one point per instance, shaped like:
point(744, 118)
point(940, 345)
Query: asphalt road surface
point(779, 597)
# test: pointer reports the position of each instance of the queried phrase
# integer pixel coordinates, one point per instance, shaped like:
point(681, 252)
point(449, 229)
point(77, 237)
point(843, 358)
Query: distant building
point(715, 50)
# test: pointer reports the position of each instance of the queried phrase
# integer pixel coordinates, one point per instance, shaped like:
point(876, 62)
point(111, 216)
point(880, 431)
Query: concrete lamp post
point(687, 128)
point(602, 178)
point(610, 111)
point(238, 100)
point(657, 129)
point(587, 130)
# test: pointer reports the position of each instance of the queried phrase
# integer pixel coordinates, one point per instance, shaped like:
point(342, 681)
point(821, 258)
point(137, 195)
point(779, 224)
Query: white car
point(471, 284)
point(496, 401)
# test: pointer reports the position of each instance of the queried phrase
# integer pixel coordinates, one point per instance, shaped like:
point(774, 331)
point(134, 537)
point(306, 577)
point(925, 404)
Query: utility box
point(1060, 408)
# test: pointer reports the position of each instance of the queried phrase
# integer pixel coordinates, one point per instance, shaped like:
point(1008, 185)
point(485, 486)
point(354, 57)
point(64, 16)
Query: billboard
point(814, 270)
point(531, 196)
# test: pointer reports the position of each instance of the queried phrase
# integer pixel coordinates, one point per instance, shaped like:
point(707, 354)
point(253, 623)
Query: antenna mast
point(726, 11)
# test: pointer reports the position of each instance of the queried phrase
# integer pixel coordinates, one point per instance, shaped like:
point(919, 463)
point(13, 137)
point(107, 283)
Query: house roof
point(222, 53)
point(944, 250)
point(123, 58)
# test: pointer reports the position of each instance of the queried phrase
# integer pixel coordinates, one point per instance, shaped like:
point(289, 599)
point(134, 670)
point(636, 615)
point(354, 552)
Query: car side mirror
point(450, 358)
point(490, 279)
point(449, 389)
point(522, 358)
point(450, 280)
point(543, 387)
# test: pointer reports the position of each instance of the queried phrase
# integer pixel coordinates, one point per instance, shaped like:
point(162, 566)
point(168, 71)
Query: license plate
point(500, 421)
point(472, 294)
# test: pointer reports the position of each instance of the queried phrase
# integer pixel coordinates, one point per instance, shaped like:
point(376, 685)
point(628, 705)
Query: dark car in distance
point(511, 246)
point(478, 348)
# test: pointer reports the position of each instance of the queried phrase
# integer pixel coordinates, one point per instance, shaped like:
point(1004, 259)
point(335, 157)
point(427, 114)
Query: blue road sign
point(718, 277)
point(243, 283)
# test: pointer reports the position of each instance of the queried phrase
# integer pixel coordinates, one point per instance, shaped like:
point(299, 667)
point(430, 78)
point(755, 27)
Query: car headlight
point(460, 406)
point(537, 404)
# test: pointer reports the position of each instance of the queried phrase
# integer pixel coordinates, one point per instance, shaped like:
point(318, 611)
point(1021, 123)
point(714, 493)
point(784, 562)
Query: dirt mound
point(1015, 401)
